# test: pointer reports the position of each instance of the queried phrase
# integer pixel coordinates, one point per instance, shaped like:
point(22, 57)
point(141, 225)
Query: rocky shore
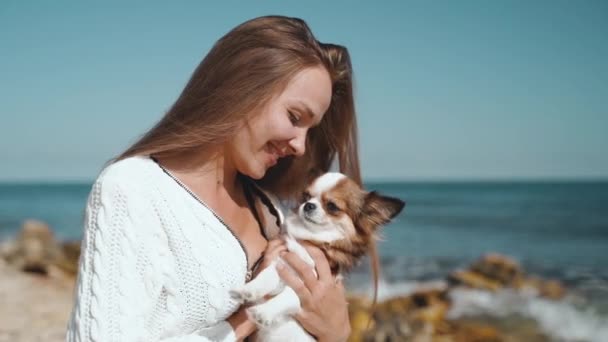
point(424, 314)
point(37, 276)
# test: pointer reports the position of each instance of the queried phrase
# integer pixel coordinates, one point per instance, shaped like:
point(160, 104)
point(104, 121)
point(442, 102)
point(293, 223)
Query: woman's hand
point(273, 250)
point(324, 311)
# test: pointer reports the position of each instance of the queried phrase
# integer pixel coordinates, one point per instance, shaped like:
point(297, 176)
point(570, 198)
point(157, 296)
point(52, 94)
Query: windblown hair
point(241, 74)
point(244, 70)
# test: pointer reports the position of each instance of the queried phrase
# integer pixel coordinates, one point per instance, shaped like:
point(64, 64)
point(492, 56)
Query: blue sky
point(445, 89)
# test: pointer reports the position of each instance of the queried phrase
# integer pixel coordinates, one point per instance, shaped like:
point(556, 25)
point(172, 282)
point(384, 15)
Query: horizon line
point(376, 180)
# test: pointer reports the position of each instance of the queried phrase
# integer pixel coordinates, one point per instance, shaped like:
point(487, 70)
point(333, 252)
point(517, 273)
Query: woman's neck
point(211, 175)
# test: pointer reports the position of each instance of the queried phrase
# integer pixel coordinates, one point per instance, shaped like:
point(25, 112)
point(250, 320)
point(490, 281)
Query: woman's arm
point(324, 311)
point(241, 324)
point(122, 293)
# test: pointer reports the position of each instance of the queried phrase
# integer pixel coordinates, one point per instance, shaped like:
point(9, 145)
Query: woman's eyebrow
point(303, 107)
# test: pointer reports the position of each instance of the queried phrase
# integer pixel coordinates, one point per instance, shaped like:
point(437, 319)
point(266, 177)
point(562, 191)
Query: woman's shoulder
point(130, 171)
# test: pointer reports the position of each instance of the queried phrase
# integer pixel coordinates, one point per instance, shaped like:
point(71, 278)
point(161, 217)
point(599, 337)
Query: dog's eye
point(332, 207)
point(305, 196)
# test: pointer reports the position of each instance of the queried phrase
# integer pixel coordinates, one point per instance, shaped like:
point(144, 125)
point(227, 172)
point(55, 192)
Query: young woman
point(180, 218)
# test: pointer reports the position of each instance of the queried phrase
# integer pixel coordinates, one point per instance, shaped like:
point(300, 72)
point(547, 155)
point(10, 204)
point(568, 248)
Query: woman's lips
point(278, 151)
point(273, 160)
point(275, 154)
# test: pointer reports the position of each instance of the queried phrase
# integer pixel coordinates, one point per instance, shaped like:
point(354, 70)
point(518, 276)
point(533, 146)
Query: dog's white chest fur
point(333, 209)
point(274, 317)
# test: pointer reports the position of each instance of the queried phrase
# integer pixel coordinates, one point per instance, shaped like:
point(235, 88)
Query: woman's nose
point(298, 143)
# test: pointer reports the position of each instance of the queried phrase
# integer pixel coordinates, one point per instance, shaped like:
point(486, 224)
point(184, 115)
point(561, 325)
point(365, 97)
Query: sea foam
point(559, 319)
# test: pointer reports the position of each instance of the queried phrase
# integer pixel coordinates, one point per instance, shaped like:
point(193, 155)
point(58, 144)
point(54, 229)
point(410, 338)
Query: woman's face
point(280, 129)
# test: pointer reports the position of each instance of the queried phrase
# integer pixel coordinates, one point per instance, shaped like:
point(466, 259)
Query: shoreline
point(37, 278)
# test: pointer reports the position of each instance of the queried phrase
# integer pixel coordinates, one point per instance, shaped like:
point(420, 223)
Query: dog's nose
point(308, 207)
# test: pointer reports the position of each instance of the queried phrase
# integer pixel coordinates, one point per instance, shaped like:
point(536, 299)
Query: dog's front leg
point(267, 282)
point(299, 250)
point(276, 308)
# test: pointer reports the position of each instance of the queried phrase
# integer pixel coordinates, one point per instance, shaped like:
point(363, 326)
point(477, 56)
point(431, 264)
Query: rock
point(35, 250)
point(550, 289)
point(421, 316)
point(475, 332)
point(394, 329)
point(361, 320)
point(430, 306)
point(472, 279)
point(7, 250)
point(500, 269)
point(512, 328)
point(417, 317)
point(68, 260)
point(399, 306)
point(494, 271)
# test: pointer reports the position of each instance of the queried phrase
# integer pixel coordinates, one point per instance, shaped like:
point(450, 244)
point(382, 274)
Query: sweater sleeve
point(115, 298)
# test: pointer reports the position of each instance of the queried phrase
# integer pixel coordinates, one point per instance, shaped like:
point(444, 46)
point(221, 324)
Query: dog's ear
point(381, 209)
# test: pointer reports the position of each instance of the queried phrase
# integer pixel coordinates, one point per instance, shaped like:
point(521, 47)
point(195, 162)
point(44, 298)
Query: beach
point(34, 307)
point(552, 232)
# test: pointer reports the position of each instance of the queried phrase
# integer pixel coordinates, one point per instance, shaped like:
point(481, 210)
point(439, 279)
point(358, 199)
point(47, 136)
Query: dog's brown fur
point(369, 211)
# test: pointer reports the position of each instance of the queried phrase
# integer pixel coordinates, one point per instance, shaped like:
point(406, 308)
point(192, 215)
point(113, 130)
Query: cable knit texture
point(156, 265)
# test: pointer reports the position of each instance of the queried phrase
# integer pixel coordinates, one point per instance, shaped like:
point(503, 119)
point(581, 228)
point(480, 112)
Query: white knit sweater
point(156, 264)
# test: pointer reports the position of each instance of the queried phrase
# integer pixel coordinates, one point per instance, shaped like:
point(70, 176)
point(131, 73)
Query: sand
point(33, 307)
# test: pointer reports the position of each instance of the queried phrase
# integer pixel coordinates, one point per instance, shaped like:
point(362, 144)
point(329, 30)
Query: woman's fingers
point(274, 247)
point(271, 253)
point(305, 271)
point(321, 263)
point(274, 243)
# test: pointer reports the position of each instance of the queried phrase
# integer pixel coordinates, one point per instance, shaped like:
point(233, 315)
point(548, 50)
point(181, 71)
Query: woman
point(179, 218)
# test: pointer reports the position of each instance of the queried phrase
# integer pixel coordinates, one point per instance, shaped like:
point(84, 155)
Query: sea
point(555, 230)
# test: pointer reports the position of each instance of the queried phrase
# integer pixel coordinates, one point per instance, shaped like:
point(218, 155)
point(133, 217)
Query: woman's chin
point(257, 176)
point(257, 172)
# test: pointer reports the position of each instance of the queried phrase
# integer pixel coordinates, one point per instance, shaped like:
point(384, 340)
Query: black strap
point(251, 202)
point(247, 185)
point(267, 202)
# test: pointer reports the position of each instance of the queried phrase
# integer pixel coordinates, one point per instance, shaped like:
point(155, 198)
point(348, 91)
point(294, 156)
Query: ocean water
point(555, 230)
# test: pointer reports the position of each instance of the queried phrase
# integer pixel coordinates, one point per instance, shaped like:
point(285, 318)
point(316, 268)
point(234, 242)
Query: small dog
point(337, 216)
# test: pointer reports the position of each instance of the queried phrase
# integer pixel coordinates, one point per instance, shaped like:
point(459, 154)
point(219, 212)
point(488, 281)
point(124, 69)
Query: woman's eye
point(332, 207)
point(293, 117)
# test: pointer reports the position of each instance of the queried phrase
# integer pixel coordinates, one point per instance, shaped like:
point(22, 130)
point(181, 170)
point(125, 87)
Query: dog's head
point(335, 211)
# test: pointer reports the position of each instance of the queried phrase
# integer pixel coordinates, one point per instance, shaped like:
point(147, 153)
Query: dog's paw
point(261, 317)
point(243, 294)
point(240, 295)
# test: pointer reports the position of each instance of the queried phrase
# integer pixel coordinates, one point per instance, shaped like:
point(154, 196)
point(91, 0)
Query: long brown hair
point(238, 77)
point(243, 71)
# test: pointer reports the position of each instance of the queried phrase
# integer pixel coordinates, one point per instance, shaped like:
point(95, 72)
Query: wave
point(559, 319)
point(563, 320)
